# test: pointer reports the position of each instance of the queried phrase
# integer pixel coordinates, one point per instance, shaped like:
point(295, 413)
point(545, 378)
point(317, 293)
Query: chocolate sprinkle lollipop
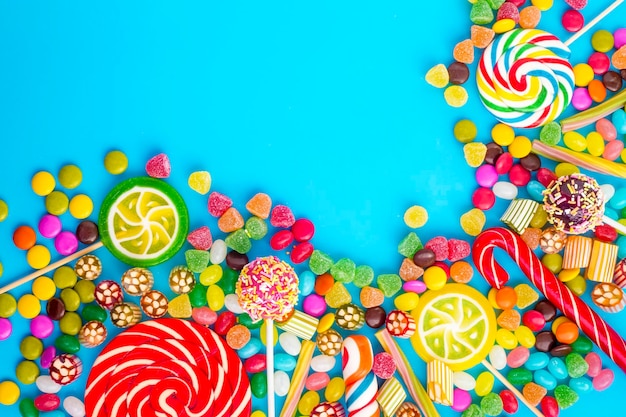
point(574, 203)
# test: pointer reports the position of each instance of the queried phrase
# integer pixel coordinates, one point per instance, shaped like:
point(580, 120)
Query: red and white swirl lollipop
point(168, 367)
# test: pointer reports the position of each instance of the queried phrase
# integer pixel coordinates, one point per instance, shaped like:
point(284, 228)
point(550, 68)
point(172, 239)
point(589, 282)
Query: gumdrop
point(565, 396)
point(200, 238)
point(410, 244)
point(458, 249)
point(409, 271)
point(390, 284)
point(256, 228)
point(529, 17)
point(200, 182)
point(218, 204)
point(159, 166)
point(239, 241)
point(474, 153)
point(439, 245)
point(415, 216)
point(438, 76)
point(343, 270)
point(495, 4)
point(532, 237)
point(473, 221)
point(230, 221)
point(491, 404)
point(526, 296)
point(481, 13)
point(509, 319)
point(464, 51)
point(180, 307)
point(260, 205)
point(508, 11)
point(363, 276)
point(534, 393)
point(481, 36)
point(551, 133)
point(197, 260)
point(371, 297)
point(282, 216)
point(320, 262)
point(455, 96)
point(619, 58)
point(577, 4)
point(337, 296)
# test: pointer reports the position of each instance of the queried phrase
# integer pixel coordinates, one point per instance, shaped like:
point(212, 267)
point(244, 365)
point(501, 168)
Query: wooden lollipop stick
point(614, 224)
point(269, 364)
point(50, 267)
point(511, 387)
point(593, 22)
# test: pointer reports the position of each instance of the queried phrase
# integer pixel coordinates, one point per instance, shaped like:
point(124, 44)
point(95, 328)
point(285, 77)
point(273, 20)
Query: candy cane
point(555, 291)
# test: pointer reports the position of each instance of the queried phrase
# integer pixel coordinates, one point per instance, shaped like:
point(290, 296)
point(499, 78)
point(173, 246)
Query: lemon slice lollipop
point(143, 221)
point(455, 325)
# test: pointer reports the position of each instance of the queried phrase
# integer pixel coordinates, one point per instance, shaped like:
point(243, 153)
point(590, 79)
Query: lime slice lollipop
point(143, 221)
point(455, 325)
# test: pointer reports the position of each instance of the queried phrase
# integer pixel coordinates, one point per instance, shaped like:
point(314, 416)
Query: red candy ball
point(303, 230)
point(483, 198)
point(518, 175)
point(599, 62)
point(534, 320)
point(572, 20)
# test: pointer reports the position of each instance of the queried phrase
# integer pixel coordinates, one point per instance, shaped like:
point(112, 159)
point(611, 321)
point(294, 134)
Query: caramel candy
point(125, 314)
point(154, 303)
point(609, 297)
point(108, 293)
point(137, 281)
point(408, 410)
point(92, 334)
point(329, 342)
point(88, 267)
point(182, 280)
point(65, 368)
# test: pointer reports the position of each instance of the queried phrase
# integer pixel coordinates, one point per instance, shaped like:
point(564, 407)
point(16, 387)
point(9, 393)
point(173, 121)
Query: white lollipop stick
point(269, 365)
point(593, 22)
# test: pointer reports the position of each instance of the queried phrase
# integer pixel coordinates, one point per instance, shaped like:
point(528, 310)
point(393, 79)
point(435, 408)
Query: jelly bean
point(9, 392)
point(281, 239)
point(44, 288)
point(497, 357)
point(323, 363)
point(519, 376)
point(582, 345)
point(47, 402)
point(281, 383)
point(509, 401)
point(545, 379)
point(94, 312)
point(224, 322)
point(407, 301)
point(46, 385)
point(326, 322)
point(464, 380)
point(308, 400)
point(605, 128)
point(247, 321)
point(255, 363)
point(215, 297)
point(595, 364)
point(284, 362)
point(506, 339)
point(535, 190)
point(603, 380)
point(484, 384)
point(517, 357)
point(612, 150)
point(27, 372)
point(301, 252)
point(263, 333)
point(31, 348)
point(28, 306)
point(536, 361)
point(218, 252)
point(250, 349)
point(290, 343)
point(47, 356)
point(6, 328)
point(316, 381)
point(461, 400)
point(557, 368)
point(581, 385)
point(54, 413)
point(67, 343)
point(307, 282)
point(335, 389)
point(505, 190)
point(314, 305)
point(74, 406)
point(27, 408)
point(231, 302)
point(575, 141)
point(258, 385)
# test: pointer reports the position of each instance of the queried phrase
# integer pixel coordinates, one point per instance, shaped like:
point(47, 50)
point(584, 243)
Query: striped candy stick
point(361, 385)
point(555, 291)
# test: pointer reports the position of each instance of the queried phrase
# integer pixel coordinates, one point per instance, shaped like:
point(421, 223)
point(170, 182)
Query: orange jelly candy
point(481, 36)
point(461, 272)
point(464, 51)
point(260, 205)
point(230, 221)
point(529, 17)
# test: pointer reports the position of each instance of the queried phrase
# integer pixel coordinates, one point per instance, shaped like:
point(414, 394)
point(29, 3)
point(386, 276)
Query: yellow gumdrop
point(415, 216)
point(29, 306)
point(44, 288)
point(568, 274)
point(565, 168)
point(335, 389)
point(473, 222)
point(81, 206)
point(525, 336)
point(438, 76)
point(407, 301)
point(200, 182)
point(307, 402)
point(211, 275)
point(455, 96)
point(503, 25)
point(506, 339)
point(583, 74)
point(180, 307)
point(575, 141)
point(502, 134)
point(542, 5)
point(484, 384)
point(595, 144)
point(215, 297)
point(435, 278)
point(38, 257)
point(520, 147)
point(42, 183)
point(9, 392)
point(474, 153)
point(263, 333)
point(326, 322)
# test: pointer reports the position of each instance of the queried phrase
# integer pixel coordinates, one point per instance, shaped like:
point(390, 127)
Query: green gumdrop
point(519, 376)
point(576, 365)
point(550, 133)
point(247, 321)
point(343, 270)
point(363, 276)
point(389, 284)
point(491, 404)
point(258, 385)
point(228, 281)
point(197, 260)
point(239, 241)
point(481, 13)
point(409, 245)
point(27, 408)
point(495, 4)
point(93, 312)
point(473, 411)
point(197, 296)
point(67, 344)
point(565, 396)
point(256, 228)
point(319, 262)
point(582, 345)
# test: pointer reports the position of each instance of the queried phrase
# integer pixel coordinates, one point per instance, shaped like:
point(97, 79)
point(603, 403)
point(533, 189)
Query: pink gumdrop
point(255, 363)
point(518, 175)
point(415, 286)
point(619, 37)
point(581, 100)
point(41, 326)
point(6, 328)
point(613, 150)
point(200, 238)
point(204, 315)
point(534, 320)
point(595, 364)
point(504, 163)
point(599, 62)
point(384, 365)
point(314, 305)
point(461, 399)
point(49, 226)
point(282, 216)
point(66, 243)
point(483, 198)
point(159, 166)
point(458, 249)
point(572, 20)
point(317, 381)
point(577, 4)
point(517, 357)
point(439, 245)
point(606, 129)
point(603, 380)
point(486, 175)
point(508, 10)
point(47, 357)
point(303, 230)
point(549, 406)
point(218, 204)
point(518, 3)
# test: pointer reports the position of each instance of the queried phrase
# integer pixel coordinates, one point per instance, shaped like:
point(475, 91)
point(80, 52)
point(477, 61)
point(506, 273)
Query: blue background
point(322, 104)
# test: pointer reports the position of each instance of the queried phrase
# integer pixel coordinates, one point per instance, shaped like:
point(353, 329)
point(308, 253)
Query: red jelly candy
point(509, 401)
point(518, 175)
point(577, 4)
point(159, 166)
point(303, 230)
point(599, 62)
point(483, 198)
point(200, 238)
point(504, 163)
point(301, 252)
point(439, 245)
point(545, 176)
point(281, 239)
point(47, 402)
point(255, 363)
point(549, 406)
point(605, 233)
point(573, 20)
point(458, 249)
point(282, 216)
point(218, 204)
point(534, 320)
point(224, 322)
point(508, 10)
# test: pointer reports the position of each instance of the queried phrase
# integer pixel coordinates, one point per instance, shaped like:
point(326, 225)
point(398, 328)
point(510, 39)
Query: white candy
point(504, 190)
point(290, 343)
point(323, 363)
point(74, 406)
point(46, 385)
point(608, 190)
point(218, 252)
point(281, 383)
point(231, 301)
point(497, 357)
point(464, 381)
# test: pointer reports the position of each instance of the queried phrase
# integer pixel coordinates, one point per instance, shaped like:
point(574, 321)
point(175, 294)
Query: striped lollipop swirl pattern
point(168, 367)
point(524, 78)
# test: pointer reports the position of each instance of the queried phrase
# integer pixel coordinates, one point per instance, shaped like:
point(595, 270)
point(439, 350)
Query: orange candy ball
point(323, 284)
point(24, 237)
point(506, 298)
point(567, 332)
